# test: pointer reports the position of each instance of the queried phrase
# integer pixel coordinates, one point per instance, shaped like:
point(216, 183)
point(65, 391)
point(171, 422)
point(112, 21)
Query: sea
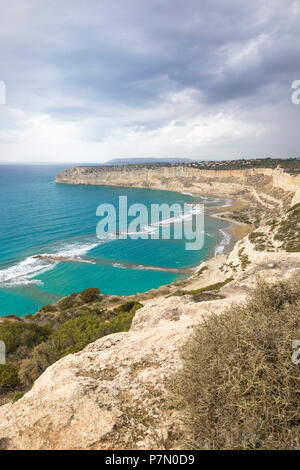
point(49, 246)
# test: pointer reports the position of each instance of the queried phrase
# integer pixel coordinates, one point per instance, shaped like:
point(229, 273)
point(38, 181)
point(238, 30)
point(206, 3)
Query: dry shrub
point(239, 388)
point(42, 357)
point(8, 376)
point(90, 294)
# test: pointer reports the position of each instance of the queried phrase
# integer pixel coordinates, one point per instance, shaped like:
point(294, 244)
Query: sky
point(88, 81)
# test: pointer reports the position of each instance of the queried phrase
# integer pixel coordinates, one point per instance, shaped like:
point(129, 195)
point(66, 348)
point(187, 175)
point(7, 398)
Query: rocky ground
point(113, 394)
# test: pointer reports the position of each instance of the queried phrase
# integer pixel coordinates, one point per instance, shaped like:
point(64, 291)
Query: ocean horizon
point(49, 248)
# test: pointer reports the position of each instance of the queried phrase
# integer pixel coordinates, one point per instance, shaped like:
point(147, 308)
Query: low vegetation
point(239, 388)
point(201, 271)
point(212, 287)
point(282, 233)
point(288, 232)
point(9, 378)
point(90, 294)
point(73, 323)
point(254, 236)
point(67, 302)
point(17, 396)
point(48, 308)
point(244, 258)
point(130, 306)
point(20, 338)
point(243, 216)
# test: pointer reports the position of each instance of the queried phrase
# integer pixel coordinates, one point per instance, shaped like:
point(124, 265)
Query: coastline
point(185, 273)
point(211, 273)
point(208, 271)
point(237, 230)
point(231, 233)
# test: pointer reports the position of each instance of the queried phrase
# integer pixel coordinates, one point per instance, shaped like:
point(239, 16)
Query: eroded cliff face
point(229, 183)
point(114, 393)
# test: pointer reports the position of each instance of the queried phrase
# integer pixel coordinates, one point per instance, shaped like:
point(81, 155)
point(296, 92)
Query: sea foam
point(26, 271)
point(220, 249)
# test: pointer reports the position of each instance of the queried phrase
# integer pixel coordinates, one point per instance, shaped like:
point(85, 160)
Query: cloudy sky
point(91, 80)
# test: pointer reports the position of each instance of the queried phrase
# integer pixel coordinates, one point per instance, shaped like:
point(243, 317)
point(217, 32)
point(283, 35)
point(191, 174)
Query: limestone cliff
point(229, 183)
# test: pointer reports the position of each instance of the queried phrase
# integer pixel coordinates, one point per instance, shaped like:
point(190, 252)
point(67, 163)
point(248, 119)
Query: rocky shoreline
point(114, 393)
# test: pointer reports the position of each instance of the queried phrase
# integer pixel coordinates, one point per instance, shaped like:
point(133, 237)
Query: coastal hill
point(180, 174)
point(236, 183)
point(118, 393)
point(138, 161)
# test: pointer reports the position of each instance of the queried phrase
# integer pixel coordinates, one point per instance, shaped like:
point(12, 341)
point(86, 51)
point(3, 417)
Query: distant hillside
point(136, 161)
point(289, 165)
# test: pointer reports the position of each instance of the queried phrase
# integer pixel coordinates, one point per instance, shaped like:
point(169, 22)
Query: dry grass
point(239, 388)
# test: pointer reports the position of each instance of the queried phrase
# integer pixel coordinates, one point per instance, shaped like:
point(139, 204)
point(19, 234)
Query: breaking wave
point(22, 274)
point(26, 271)
point(220, 249)
point(183, 216)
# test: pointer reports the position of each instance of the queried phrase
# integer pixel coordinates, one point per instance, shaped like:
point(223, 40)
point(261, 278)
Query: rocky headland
point(114, 394)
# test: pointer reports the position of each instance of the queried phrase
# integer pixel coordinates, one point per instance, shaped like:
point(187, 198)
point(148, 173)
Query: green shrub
point(128, 307)
point(209, 288)
point(19, 334)
point(67, 302)
point(9, 378)
point(72, 336)
point(75, 329)
point(48, 308)
point(239, 388)
point(293, 248)
point(295, 207)
point(16, 396)
point(202, 270)
point(75, 334)
point(254, 235)
point(90, 295)
point(42, 357)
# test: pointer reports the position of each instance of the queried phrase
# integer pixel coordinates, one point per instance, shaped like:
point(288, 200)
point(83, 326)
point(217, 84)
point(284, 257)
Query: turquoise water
point(41, 217)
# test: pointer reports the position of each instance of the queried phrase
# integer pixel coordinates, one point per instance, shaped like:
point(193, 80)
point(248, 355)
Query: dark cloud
point(72, 59)
point(132, 51)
